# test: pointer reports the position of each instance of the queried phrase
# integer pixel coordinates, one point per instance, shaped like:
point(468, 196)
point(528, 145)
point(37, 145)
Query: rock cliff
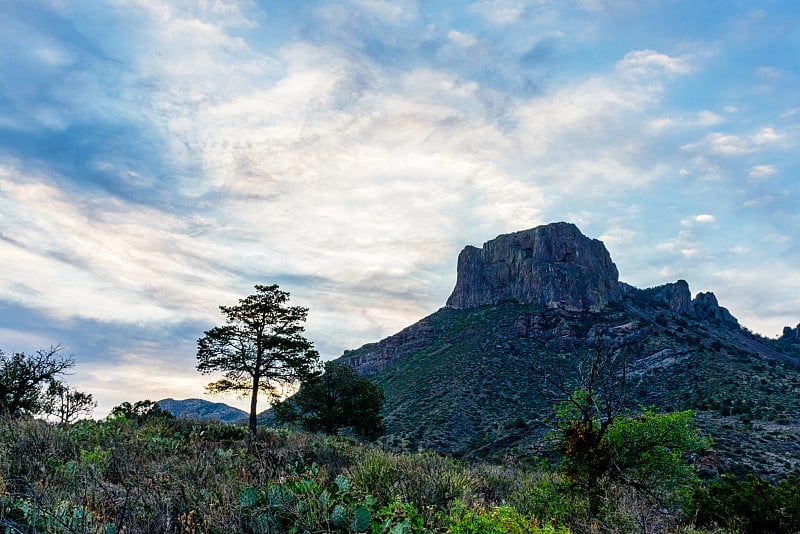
point(791, 335)
point(675, 296)
point(705, 307)
point(678, 298)
point(553, 265)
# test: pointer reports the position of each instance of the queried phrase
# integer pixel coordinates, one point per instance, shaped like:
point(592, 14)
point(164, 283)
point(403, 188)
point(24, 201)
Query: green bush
point(499, 520)
point(750, 504)
point(548, 496)
point(375, 473)
point(303, 503)
point(433, 483)
point(399, 518)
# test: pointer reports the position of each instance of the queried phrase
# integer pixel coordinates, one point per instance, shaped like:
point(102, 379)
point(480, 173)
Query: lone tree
point(25, 378)
point(338, 399)
point(260, 347)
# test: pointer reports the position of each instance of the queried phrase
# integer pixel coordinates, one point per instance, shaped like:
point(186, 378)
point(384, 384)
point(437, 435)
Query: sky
point(158, 158)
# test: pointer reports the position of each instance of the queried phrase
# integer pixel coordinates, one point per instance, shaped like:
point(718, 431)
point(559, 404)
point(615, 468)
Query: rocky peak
point(792, 335)
point(705, 307)
point(675, 296)
point(553, 265)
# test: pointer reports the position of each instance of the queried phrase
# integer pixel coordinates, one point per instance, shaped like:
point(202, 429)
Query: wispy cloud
point(737, 145)
point(160, 158)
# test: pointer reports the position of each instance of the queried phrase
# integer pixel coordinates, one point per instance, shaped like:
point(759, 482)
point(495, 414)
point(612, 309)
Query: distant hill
point(203, 409)
point(467, 379)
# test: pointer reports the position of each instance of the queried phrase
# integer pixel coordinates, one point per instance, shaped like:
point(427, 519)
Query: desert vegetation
point(140, 470)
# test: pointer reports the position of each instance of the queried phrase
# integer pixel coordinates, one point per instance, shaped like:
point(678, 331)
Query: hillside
point(203, 410)
point(468, 380)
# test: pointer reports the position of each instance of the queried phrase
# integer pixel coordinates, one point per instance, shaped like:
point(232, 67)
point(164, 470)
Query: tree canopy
point(140, 411)
point(29, 382)
point(66, 403)
point(336, 400)
point(260, 347)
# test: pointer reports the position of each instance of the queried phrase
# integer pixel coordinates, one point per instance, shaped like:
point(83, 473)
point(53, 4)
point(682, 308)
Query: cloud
point(99, 259)
point(465, 40)
point(759, 173)
point(766, 294)
point(705, 218)
point(389, 12)
point(768, 136)
point(645, 63)
point(162, 157)
point(737, 145)
point(700, 119)
point(759, 202)
point(500, 12)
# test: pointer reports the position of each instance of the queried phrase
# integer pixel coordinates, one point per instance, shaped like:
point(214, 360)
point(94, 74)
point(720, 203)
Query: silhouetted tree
point(24, 379)
point(140, 411)
point(260, 347)
point(337, 399)
point(67, 403)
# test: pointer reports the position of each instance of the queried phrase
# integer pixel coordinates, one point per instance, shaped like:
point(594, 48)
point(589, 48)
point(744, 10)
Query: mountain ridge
point(201, 409)
point(462, 380)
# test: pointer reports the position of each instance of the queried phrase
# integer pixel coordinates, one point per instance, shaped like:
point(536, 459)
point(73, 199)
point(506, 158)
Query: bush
point(751, 504)
point(432, 483)
point(375, 473)
point(548, 496)
point(499, 520)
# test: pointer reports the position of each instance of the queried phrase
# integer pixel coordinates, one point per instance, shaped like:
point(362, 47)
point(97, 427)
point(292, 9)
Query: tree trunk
point(254, 406)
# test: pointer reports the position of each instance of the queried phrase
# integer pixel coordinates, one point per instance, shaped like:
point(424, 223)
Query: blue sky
point(159, 158)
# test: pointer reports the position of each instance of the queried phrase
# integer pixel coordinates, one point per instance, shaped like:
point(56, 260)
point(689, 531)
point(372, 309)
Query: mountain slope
point(203, 410)
point(471, 381)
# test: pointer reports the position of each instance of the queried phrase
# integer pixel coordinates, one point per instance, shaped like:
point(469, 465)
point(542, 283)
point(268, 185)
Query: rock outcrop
point(553, 265)
point(791, 335)
point(375, 357)
point(706, 308)
point(675, 296)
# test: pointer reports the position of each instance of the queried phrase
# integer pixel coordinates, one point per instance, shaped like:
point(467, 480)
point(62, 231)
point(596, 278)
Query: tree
point(67, 403)
point(337, 399)
point(140, 411)
point(24, 378)
point(603, 440)
point(260, 348)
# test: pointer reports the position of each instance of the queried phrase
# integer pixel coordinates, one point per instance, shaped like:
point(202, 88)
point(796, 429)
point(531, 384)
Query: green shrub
point(375, 473)
point(751, 504)
point(303, 503)
point(500, 520)
point(548, 496)
point(399, 518)
point(432, 483)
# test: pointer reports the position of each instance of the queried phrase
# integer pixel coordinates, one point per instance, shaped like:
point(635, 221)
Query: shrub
point(546, 495)
point(399, 518)
point(375, 473)
point(432, 483)
point(751, 504)
point(499, 520)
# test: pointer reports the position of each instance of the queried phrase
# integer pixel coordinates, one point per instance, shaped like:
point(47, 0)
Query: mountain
point(470, 380)
point(203, 409)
